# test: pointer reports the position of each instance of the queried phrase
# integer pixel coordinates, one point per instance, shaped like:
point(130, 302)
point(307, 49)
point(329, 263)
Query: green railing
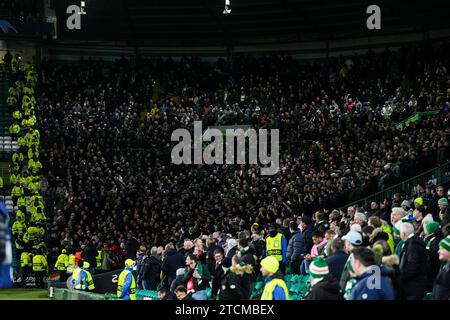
point(438, 175)
point(415, 117)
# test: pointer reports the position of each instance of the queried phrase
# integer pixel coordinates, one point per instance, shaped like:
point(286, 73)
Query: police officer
point(40, 267)
point(62, 262)
point(84, 280)
point(276, 246)
point(26, 264)
point(126, 288)
point(275, 288)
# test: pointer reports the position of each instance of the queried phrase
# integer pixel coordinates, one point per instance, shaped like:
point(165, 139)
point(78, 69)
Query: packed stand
point(106, 146)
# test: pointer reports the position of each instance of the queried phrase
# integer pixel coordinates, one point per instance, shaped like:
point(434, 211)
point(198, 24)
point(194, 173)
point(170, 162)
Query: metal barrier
point(415, 117)
point(71, 294)
point(438, 175)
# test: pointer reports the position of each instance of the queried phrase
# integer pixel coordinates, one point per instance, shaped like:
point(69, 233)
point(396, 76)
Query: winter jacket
point(217, 276)
point(363, 289)
point(296, 247)
point(307, 236)
point(391, 263)
point(326, 289)
point(230, 287)
point(432, 245)
point(336, 263)
point(441, 287)
point(199, 284)
point(131, 248)
point(150, 271)
point(413, 269)
point(90, 255)
point(171, 263)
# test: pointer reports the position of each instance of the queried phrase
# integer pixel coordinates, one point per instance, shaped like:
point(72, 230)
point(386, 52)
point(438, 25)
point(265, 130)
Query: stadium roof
point(201, 22)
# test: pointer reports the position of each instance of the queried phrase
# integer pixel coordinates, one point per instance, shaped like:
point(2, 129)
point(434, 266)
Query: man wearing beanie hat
point(441, 287)
point(433, 235)
point(230, 286)
point(275, 288)
point(323, 285)
point(363, 263)
point(443, 211)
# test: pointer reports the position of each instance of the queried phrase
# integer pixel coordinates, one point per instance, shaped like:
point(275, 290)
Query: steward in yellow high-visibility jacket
point(126, 287)
point(22, 203)
point(26, 265)
point(19, 225)
point(99, 259)
point(84, 280)
point(61, 265)
point(17, 191)
point(1, 182)
point(275, 288)
point(14, 129)
point(40, 268)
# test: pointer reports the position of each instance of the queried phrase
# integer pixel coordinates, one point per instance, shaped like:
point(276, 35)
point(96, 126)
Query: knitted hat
point(406, 203)
point(318, 267)
point(270, 263)
point(419, 201)
point(445, 243)
point(431, 227)
point(64, 251)
point(443, 202)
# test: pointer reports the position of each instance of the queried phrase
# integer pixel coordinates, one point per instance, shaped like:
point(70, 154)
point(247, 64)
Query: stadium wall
point(72, 51)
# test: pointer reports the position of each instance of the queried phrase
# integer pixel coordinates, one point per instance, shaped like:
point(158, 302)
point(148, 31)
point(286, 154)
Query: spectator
point(296, 248)
point(336, 261)
point(413, 264)
point(441, 287)
point(433, 236)
point(182, 294)
point(318, 249)
point(323, 285)
point(131, 247)
point(149, 274)
point(196, 277)
point(171, 263)
point(218, 272)
point(363, 263)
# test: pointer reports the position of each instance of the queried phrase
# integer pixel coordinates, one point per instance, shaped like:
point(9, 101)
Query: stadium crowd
point(109, 184)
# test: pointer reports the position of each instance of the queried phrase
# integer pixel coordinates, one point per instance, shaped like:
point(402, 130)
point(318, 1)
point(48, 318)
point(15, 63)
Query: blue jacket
point(363, 289)
point(278, 292)
point(126, 288)
point(307, 236)
point(6, 272)
point(336, 263)
point(296, 247)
